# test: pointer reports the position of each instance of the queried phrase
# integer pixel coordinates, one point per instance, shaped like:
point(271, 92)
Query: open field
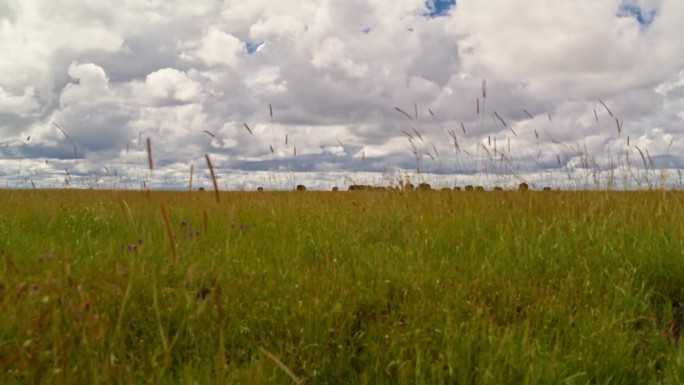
point(107, 287)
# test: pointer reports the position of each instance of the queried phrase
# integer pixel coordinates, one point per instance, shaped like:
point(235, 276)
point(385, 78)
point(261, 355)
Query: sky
point(332, 92)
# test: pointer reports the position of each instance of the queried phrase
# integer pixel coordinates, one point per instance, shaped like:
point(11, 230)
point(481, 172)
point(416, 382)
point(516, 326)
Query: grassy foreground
point(341, 288)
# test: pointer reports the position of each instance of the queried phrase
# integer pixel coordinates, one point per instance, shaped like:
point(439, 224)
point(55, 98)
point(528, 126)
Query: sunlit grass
point(349, 287)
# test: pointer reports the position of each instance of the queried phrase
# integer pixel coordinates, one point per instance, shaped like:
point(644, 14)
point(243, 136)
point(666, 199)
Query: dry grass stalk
point(456, 146)
point(403, 112)
point(210, 133)
point(606, 107)
point(192, 169)
point(219, 307)
point(126, 212)
point(61, 129)
point(213, 177)
point(169, 233)
point(501, 120)
point(528, 114)
point(149, 154)
point(437, 121)
point(414, 149)
point(281, 366)
point(619, 126)
point(248, 129)
point(643, 158)
point(435, 148)
point(418, 134)
point(650, 160)
point(489, 154)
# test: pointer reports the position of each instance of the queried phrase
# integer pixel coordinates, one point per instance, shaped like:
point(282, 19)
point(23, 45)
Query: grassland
point(102, 287)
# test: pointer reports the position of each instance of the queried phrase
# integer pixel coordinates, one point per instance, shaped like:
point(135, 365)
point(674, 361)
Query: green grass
point(341, 288)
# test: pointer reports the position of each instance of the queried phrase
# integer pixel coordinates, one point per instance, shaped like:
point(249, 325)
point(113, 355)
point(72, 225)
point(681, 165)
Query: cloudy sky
point(333, 92)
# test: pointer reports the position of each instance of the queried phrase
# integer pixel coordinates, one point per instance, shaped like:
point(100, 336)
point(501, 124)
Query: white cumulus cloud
point(319, 96)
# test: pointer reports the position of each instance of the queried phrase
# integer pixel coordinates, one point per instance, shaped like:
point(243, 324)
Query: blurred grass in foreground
point(351, 287)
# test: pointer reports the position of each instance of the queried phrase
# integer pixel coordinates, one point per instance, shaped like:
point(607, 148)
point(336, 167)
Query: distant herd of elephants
point(422, 186)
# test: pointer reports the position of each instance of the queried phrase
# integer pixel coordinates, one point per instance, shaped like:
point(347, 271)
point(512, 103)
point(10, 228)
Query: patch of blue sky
point(644, 17)
point(438, 8)
point(252, 46)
